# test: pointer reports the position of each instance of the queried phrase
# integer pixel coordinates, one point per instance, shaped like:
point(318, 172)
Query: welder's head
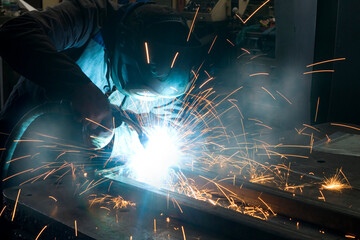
point(152, 56)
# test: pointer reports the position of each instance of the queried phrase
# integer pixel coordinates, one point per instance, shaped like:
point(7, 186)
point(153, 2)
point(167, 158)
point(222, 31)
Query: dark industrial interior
point(263, 143)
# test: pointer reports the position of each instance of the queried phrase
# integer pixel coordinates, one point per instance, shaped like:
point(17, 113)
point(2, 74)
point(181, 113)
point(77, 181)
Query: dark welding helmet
point(152, 55)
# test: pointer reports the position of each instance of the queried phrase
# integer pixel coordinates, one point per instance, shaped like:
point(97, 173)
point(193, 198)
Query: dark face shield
point(156, 70)
point(150, 55)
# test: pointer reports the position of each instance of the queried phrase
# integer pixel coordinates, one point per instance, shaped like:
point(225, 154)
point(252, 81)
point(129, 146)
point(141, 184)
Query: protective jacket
point(57, 51)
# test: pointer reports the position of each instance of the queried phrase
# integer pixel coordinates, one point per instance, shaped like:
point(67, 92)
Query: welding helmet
point(152, 55)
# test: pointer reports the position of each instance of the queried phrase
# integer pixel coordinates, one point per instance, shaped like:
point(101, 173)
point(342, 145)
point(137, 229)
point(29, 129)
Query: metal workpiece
point(197, 218)
point(57, 201)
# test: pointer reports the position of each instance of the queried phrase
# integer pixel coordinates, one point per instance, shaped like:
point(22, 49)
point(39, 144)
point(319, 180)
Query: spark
point(326, 61)
point(256, 11)
point(178, 205)
point(168, 219)
point(174, 89)
point(173, 61)
point(308, 126)
point(350, 236)
point(211, 78)
point(337, 182)
point(76, 233)
point(284, 97)
point(41, 232)
point(237, 15)
point(268, 93)
point(212, 44)
point(322, 196)
point(183, 232)
point(230, 42)
point(2, 210)
point(343, 125)
point(87, 119)
point(320, 71)
point(192, 24)
point(147, 53)
point(28, 140)
point(257, 74)
point(317, 108)
point(15, 159)
point(53, 198)
point(154, 225)
point(267, 206)
point(16, 174)
point(110, 185)
point(263, 125)
point(252, 58)
point(16, 202)
point(106, 208)
point(247, 51)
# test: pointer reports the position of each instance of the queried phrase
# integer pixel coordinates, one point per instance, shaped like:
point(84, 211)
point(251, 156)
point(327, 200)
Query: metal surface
point(200, 219)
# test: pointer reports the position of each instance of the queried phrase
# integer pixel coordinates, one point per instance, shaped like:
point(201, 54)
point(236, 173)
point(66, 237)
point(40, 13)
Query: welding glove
point(91, 107)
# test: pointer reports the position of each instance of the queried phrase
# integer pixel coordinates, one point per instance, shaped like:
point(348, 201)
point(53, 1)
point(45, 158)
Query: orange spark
point(15, 159)
point(212, 44)
point(28, 140)
point(147, 53)
point(317, 108)
point(211, 78)
point(350, 236)
point(320, 71)
point(256, 11)
point(192, 24)
point(173, 61)
point(16, 202)
point(284, 97)
point(263, 125)
point(237, 15)
point(326, 61)
point(17, 174)
point(53, 198)
point(41, 232)
point(257, 74)
point(268, 93)
point(183, 231)
point(230, 42)
point(267, 206)
point(247, 51)
point(337, 182)
point(154, 225)
point(178, 205)
point(343, 125)
point(75, 223)
point(87, 119)
point(2, 210)
point(322, 196)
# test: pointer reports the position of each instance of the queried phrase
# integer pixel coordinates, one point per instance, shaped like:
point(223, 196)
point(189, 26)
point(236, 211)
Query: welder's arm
point(32, 45)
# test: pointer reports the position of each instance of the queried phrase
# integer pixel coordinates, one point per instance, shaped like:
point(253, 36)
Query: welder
point(81, 51)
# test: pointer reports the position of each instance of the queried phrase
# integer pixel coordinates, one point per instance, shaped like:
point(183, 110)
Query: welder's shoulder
point(98, 4)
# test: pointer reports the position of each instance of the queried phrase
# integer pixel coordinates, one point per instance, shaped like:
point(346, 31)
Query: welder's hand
point(92, 108)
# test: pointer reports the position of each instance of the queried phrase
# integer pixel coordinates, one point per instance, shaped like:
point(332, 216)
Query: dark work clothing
point(32, 43)
point(43, 47)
